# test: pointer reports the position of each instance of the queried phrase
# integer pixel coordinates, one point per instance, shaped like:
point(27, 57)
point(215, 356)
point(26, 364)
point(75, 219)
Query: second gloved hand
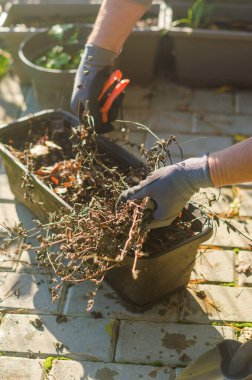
point(171, 188)
point(89, 82)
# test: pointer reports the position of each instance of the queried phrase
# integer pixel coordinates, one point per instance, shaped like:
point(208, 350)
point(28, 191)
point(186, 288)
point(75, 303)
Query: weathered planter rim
point(164, 17)
point(187, 32)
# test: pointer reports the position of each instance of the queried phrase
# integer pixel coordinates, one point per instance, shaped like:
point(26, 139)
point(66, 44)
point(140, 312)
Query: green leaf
point(197, 13)
point(180, 22)
point(58, 31)
point(197, 16)
point(5, 61)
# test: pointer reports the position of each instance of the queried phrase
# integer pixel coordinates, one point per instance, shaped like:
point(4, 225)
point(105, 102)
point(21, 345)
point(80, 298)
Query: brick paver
point(215, 266)
point(212, 101)
point(170, 344)
point(65, 370)
point(107, 304)
point(243, 102)
point(12, 368)
point(29, 292)
point(228, 125)
point(219, 303)
point(78, 337)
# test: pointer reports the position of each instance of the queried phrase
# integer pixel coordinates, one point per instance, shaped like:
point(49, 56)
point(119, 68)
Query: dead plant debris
point(98, 232)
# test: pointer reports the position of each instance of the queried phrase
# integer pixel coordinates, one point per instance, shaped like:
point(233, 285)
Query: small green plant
point(61, 56)
point(5, 62)
point(48, 363)
point(197, 16)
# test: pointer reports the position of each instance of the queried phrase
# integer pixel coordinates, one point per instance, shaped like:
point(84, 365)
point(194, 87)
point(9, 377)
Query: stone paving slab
point(31, 104)
point(78, 337)
point(214, 302)
point(170, 96)
point(65, 370)
point(138, 97)
point(6, 194)
point(244, 268)
point(11, 99)
point(170, 122)
point(27, 263)
point(225, 196)
point(228, 125)
point(211, 101)
point(29, 293)
point(170, 344)
point(20, 369)
point(231, 239)
point(107, 304)
point(215, 266)
point(10, 258)
point(243, 102)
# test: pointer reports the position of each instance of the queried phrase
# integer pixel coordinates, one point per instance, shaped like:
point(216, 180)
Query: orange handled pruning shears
point(111, 96)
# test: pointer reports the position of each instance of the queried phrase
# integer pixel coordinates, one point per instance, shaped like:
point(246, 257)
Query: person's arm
point(232, 165)
point(172, 187)
point(115, 20)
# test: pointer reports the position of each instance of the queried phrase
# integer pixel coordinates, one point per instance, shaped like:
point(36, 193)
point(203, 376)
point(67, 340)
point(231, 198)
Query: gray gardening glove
point(171, 188)
point(89, 82)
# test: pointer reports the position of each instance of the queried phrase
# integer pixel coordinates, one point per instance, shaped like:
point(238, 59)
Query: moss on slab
point(48, 363)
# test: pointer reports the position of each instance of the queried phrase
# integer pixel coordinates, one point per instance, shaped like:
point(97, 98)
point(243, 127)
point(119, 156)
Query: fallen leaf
point(55, 180)
point(224, 89)
point(60, 190)
point(243, 267)
point(39, 150)
point(51, 144)
point(238, 138)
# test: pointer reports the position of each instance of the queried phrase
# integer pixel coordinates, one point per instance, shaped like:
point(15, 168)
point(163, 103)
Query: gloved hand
point(89, 81)
point(171, 187)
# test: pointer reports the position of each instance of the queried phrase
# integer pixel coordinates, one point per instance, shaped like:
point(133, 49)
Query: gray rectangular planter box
point(18, 21)
point(205, 57)
point(164, 271)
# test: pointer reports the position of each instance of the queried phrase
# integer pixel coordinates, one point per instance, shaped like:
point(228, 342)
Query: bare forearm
point(115, 21)
point(232, 165)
